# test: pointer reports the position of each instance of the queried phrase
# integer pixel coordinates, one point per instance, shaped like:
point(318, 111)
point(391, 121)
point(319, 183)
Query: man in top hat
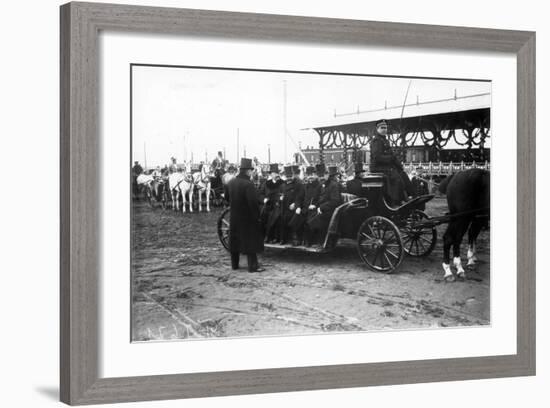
point(329, 199)
point(314, 188)
point(245, 231)
point(383, 160)
point(354, 186)
point(270, 192)
point(293, 193)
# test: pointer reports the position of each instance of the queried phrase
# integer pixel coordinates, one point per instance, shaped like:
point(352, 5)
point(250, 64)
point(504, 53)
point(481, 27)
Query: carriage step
point(300, 248)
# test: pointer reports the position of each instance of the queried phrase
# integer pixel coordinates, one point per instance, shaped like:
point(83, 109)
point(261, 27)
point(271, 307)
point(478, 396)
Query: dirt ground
point(183, 286)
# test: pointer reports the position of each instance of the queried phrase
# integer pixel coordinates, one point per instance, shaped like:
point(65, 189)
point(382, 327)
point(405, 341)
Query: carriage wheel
point(418, 241)
point(379, 244)
point(223, 228)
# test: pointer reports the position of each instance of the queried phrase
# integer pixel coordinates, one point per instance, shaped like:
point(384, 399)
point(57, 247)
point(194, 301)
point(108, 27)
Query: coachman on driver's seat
point(383, 160)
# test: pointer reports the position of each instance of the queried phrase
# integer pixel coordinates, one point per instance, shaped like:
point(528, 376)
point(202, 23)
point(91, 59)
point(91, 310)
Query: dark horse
point(468, 194)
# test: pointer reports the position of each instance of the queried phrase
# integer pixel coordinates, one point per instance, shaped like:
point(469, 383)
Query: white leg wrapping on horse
point(458, 265)
point(472, 259)
point(190, 199)
point(447, 269)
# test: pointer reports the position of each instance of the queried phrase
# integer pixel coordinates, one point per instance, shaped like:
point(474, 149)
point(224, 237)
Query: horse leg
point(447, 242)
point(190, 194)
point(199, 195)
point(149, 194)
point(461, 230)
point(183, 199)
point(473, 233)
point(208, 197)
point(175, 199)
point(452, 237)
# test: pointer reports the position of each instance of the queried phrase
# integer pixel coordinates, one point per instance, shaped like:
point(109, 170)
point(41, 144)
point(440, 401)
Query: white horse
point(201, 180)
point(179, 183)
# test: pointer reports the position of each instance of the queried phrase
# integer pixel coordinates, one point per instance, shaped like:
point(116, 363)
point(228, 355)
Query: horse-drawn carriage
point(382, 234)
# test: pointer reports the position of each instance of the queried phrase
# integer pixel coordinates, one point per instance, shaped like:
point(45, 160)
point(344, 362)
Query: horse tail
point(443, 185)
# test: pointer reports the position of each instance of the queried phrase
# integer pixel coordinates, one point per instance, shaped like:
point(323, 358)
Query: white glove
point(292, 207)
point(298, 210)
point(266, 200)
point(318, 210)
point(281, 198)
point(311, 207)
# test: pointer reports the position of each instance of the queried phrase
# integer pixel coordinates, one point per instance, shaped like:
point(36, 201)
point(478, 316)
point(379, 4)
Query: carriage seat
point(347, 197)
point(373, 180)
point(372, 185)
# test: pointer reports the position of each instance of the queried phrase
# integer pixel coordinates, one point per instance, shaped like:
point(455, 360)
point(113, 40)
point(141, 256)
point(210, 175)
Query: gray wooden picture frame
point(80, 26)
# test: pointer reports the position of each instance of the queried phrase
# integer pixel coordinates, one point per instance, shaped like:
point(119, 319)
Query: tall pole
point(244, 150)
point(269, 153)
point(238, 159)
point(145, 155)
point(284, 120)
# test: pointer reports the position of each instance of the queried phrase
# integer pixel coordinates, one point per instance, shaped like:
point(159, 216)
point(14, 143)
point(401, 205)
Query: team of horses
point(182, 186)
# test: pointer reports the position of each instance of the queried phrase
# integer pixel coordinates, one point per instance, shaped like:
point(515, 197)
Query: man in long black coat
point(383, 160)
point(245, 231)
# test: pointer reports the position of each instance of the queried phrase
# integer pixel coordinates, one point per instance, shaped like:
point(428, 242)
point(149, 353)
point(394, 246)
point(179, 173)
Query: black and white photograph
point(277, 203)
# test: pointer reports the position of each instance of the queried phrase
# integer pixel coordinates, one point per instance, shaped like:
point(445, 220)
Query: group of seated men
point(298, 211)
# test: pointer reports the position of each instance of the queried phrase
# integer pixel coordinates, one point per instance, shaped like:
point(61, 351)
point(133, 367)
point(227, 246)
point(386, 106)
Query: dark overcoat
point(382, 159)
point(245, 232)
point(312, 194)
point(293, 193)
point(330, 198)
point(271, 190)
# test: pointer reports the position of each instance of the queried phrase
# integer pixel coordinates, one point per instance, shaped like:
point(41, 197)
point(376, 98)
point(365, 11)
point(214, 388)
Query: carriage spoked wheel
point(420, 240)
point(223, 228)
point(379, 244)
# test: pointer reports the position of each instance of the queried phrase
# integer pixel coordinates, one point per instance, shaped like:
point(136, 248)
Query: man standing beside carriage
point(383, 160)
point(245, 231)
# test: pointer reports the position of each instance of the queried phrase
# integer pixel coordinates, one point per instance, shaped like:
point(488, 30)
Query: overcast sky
point(177, 111)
